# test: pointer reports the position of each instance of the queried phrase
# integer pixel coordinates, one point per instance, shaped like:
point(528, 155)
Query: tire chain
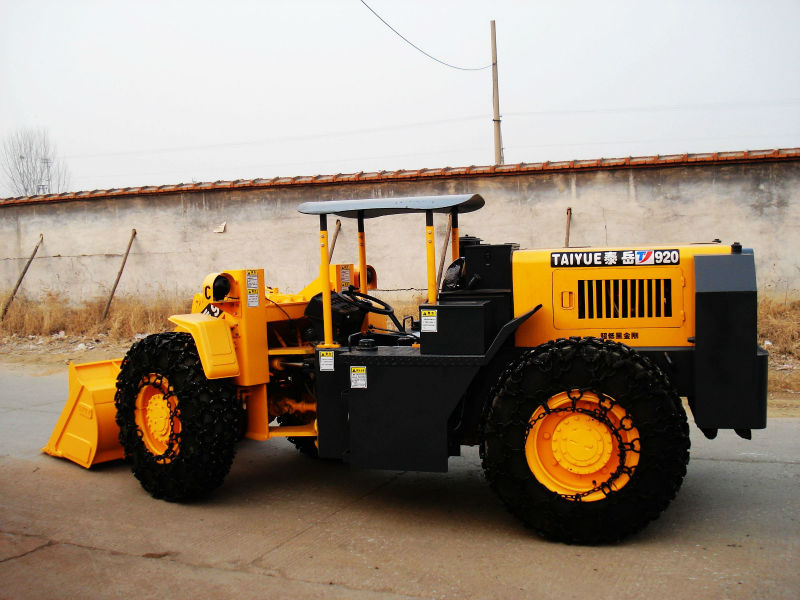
point(205, 455)
point(600, 414)
point(550, 358)
point(174, 440)
point(555, 357)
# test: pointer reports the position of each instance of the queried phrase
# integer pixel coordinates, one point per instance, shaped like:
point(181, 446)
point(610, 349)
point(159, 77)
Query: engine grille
point(624, 298)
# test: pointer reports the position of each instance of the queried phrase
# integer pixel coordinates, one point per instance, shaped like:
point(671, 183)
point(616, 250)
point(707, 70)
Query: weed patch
point(127, 316)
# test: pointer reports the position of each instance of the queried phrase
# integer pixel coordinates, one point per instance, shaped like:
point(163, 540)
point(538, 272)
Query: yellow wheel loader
point(565, 366)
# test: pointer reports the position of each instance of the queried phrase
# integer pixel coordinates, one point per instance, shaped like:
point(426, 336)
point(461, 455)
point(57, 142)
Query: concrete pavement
point(284, 526)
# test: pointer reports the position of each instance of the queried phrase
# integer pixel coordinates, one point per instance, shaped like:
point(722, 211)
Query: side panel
point(644, 305)
point(389, 408)
point(455, 328)
point(332, 410)
point(400, 420)
point(730, 380)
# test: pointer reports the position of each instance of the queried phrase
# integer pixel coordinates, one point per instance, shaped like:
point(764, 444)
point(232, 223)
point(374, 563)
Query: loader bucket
point(87, 431)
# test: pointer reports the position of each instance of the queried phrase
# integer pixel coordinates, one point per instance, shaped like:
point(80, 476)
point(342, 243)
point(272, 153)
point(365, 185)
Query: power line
point(297, 163)
point(298, 138)
point(680, 140)
point(548, 112)
point(413, 45)
point(441, 151)
point(663, 108)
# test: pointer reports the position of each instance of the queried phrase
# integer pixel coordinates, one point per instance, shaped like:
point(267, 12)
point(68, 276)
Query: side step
point(309, 430)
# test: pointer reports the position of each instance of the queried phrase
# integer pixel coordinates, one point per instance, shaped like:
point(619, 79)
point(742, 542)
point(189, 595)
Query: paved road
point(284, 526)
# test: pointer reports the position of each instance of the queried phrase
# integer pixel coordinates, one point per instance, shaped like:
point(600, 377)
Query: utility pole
point(498, 138)
point(47, 162)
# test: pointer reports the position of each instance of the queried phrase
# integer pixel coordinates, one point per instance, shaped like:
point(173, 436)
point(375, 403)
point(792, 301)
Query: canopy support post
point(325, 283)
point(431, 256)
point(362, 254)
point(454, 250)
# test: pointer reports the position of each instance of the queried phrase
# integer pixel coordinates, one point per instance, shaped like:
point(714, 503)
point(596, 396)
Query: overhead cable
point(412, 44)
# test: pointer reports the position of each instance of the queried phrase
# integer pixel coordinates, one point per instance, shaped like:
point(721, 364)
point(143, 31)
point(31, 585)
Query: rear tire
point(585, 440)
point(178, 429)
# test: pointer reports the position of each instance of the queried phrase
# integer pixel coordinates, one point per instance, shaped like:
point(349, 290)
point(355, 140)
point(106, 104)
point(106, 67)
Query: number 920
point(667, 257)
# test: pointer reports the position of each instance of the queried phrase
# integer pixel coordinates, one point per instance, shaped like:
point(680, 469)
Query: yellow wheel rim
point(582, 449)
point(155, 416)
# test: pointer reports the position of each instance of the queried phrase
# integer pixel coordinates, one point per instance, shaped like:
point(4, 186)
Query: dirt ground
point(48, 355)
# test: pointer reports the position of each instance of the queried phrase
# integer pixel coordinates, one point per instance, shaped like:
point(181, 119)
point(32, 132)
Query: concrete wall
point(757, 204)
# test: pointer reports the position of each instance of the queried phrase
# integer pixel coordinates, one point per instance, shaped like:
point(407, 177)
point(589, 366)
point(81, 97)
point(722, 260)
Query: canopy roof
point(379, 207)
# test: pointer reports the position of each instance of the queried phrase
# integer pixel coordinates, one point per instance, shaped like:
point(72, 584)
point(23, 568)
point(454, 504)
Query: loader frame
point(565, 367)
point(370, 398)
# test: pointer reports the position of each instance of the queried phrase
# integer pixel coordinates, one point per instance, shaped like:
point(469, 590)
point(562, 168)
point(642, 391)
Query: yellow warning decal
point(428, 321)
point(326, 360)
point(358, 377)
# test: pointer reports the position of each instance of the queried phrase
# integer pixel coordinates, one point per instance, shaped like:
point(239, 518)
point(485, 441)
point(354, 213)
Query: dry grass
point(779, 323)
point(784, 380)
point(126, 318)
point(779, 332)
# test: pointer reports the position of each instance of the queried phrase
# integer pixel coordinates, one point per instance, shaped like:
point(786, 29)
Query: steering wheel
point(371, 304)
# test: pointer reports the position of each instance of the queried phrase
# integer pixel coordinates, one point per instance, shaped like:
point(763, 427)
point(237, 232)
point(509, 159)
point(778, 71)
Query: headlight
point(220, 288)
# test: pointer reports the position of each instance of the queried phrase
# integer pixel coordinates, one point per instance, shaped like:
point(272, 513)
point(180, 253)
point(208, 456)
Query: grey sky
point(137, 93)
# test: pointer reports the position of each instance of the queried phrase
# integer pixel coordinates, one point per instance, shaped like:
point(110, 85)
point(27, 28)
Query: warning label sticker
point(252, 297)
point(345, 276)
point(358, 377)
point(326, 360)
point(428, 321)
point(252, 278)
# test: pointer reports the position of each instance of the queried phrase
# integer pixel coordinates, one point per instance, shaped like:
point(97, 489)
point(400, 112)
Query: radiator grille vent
point(624, 298)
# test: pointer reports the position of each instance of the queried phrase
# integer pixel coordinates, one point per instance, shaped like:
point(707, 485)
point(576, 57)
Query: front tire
point(177, 428)
point(585, 440)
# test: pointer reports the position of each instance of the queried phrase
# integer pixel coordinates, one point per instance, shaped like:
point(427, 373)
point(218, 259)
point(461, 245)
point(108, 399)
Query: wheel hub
point(158, 420)
point(581, 444)
point(156, 417)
